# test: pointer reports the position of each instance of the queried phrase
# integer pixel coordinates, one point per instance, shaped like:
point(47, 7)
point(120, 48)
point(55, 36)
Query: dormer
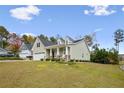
point(68, 40)
point(60, 41)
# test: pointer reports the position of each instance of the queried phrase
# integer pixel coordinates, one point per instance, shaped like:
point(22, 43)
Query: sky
point(74, 21)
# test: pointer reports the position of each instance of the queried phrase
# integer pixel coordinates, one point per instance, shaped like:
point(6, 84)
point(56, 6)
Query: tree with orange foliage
point(14, 43)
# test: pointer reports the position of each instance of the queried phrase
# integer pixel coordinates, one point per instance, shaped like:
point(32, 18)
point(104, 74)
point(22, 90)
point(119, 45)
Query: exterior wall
point(24, 53)
point(3, 52)
point(38, 50)
point(79, 51)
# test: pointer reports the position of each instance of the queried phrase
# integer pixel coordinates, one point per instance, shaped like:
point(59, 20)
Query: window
point(38, 44)
point(66, 42)
point(82, 55)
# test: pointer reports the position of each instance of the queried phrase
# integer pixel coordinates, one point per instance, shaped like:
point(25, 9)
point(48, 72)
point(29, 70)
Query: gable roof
point(29, 46)
point(77, 40)
point(69, 38)
point(46, 42)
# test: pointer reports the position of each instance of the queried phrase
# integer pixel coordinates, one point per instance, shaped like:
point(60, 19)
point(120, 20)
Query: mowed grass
point(56, 75)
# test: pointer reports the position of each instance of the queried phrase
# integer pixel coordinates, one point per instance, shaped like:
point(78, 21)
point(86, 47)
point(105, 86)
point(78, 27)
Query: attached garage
point(38, 56)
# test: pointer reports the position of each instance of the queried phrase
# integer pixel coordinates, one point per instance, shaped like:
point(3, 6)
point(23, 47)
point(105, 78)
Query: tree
point(14, 43)
point(53, 39)
point(88, 39)
point(3, 32)
point(113, 56)
point(105, 56)
point(24, 37)
point(43, 37)
point(28, 39)
point(118, 37)
point(3, 36)
point(95, 46)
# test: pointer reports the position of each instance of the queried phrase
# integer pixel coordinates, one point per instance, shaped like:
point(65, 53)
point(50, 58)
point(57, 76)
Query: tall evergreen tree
point(118, 37)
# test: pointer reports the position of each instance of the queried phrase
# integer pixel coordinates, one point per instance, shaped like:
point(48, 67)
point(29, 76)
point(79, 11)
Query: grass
point(52, 74)
point(10, 58)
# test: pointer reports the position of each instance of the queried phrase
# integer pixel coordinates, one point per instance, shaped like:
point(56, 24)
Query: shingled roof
point(46, 42)
point(77, 40)
point(29, 46)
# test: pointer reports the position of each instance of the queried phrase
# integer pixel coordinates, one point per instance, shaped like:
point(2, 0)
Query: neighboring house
point(121, 57)
point(25, 51)
point(3, 51)
point(67, 49)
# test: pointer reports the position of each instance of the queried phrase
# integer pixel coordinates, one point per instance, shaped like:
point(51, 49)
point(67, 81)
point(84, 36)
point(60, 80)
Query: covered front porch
point(58, 52)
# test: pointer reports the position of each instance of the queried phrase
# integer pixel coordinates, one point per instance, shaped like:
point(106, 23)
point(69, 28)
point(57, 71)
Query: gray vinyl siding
point(79, 51)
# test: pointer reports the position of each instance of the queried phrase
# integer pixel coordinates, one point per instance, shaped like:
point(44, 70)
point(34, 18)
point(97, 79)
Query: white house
point(3, 51)
point(25, 51)
point(67, 49)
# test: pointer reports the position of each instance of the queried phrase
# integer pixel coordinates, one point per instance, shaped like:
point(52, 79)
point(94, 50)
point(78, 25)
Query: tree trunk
point(118, 48)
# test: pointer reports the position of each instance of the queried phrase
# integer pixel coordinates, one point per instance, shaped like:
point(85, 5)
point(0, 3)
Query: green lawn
point(51, 74)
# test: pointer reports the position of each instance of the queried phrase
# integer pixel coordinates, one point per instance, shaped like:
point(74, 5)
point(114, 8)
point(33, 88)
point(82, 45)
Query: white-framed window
point(38, 44)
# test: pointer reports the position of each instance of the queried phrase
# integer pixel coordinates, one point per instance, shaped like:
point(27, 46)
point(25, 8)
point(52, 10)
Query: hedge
point(10, 58)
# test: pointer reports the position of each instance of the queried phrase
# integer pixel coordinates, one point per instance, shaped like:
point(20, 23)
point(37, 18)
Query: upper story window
point(38, 44)
point(66, 41)
point(58, 42)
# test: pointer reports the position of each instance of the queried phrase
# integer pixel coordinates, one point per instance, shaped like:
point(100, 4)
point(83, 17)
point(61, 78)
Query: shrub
point(55, 59)
point(71, 60)
point(71, 63)
point(113, 57)
point(47, 59)
point(41, 59)
point(105, 57)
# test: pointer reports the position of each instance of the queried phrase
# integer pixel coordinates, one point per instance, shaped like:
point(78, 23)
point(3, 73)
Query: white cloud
point(100, 10)
point(28, 34)
point(98, 29)
point(25, 13)
point(122, 8)
point(86, 12)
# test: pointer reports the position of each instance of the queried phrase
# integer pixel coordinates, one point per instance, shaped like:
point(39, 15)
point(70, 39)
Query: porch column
point(66, 53)
point(50, 53)
point(58, 54)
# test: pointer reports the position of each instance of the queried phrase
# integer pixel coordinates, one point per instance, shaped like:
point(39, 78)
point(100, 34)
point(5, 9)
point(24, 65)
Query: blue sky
point(74, 21)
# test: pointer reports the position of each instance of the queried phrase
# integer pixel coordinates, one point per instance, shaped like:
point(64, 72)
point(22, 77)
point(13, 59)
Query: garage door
point(38, 56)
